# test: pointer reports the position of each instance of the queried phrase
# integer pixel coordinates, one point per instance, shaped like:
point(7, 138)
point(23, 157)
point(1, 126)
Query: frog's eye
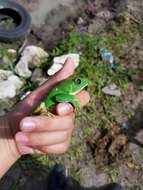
point(77, 81)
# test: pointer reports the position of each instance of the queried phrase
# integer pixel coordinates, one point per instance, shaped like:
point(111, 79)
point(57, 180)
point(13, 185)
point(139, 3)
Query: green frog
point(65, 91)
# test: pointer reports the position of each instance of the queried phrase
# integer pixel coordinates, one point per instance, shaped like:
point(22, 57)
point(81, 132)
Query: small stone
point(32, 56)
point(112, 90)
point(37, 76)
point(10, 85)
point(12, 51)
point(98, 25)
point(5, 60)
point(80, 21)
point(7, 90)
point(59, 61)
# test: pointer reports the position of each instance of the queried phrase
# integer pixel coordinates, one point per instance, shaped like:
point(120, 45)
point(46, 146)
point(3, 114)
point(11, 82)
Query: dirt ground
point(112, 155)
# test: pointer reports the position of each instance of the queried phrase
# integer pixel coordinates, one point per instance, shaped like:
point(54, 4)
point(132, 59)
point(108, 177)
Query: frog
point(63, 92)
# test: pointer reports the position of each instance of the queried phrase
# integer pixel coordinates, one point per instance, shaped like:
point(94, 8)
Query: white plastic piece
point(59, 61)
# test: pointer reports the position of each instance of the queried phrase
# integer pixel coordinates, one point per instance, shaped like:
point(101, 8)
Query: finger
point(28, 150)
point(56, 149)
point(44, 123)
point(37, 95)
point(52, 149)
point(83, 97)
point(64, 109)
point(41, 138)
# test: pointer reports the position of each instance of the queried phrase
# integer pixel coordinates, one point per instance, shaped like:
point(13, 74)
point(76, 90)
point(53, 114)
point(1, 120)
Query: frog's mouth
point(76, 92)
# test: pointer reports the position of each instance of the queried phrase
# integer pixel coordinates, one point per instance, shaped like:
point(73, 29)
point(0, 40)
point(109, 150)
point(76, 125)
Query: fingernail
point(27, 125)
point(21, 138)
point(64, 108)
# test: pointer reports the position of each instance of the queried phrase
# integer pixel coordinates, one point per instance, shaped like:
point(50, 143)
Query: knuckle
point(70, 120)
point(66, 136)
point(34, 140)
point(45, 150)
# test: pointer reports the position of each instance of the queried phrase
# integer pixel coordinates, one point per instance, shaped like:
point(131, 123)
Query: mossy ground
point(99, 113)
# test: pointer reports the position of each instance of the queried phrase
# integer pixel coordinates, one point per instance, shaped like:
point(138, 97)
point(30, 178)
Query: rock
point(136, 149)
point(89, 177)
point(7, 58)
point(12, 51)
point(112, 90)
point(37, 76)
point(80, 21)
point(4, 74)
point(32, 56)
point(97, 26)
point(59, 61)
point(9, 85)
point(132, 9)
point(129, 178)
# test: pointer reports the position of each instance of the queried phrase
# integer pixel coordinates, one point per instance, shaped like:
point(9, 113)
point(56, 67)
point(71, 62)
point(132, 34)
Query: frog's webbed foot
point(42, 110)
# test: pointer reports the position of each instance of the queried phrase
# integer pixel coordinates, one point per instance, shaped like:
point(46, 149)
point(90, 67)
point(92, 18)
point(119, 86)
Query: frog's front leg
point(68, 98)
point(43, 110)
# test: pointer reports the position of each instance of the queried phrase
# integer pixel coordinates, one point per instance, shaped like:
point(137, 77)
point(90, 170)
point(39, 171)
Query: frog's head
point(78, 85)
point(74, 86)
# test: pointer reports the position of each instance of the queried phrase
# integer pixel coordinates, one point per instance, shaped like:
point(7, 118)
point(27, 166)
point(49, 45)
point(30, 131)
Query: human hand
point(40, 134)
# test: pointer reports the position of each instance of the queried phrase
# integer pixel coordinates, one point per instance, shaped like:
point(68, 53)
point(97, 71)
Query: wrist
point(8, 148)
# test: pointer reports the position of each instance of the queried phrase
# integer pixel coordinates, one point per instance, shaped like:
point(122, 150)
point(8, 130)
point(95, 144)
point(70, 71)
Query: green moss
point(9, 65)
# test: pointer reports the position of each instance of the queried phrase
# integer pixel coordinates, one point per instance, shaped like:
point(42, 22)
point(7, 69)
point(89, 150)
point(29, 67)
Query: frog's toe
point(48, 114)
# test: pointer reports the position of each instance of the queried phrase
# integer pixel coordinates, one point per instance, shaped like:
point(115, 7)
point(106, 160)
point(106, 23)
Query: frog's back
point(50, 95)
point(62, 87)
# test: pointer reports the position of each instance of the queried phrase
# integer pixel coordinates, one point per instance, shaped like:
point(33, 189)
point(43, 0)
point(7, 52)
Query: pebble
point(112, 90)
point(9, 85)
point(38, 77)
point(31, 57)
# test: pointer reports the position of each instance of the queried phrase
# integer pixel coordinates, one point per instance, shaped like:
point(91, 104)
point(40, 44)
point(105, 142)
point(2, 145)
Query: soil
point(109, 146)
point(114, 154)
